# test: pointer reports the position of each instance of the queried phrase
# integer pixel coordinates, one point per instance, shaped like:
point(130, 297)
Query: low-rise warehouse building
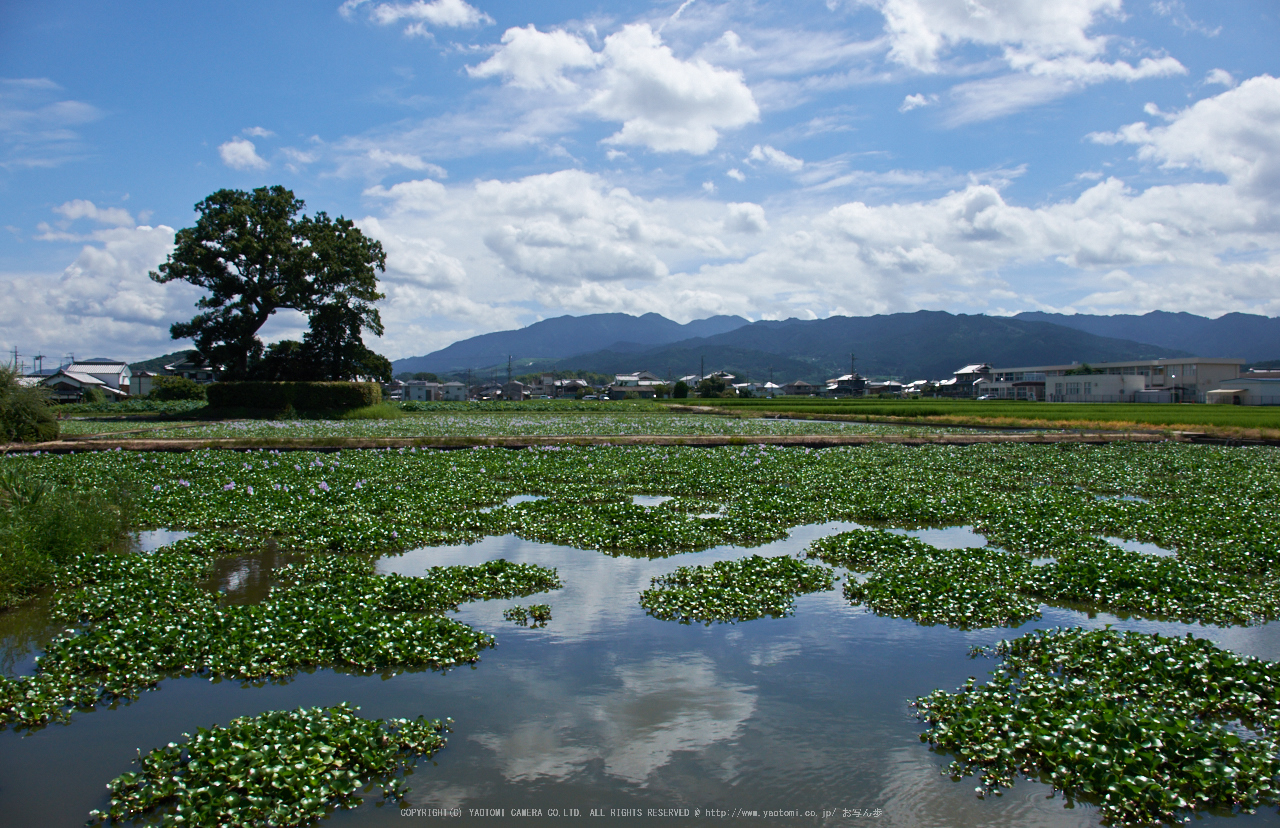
point(1247, 391)
point(1186, 379)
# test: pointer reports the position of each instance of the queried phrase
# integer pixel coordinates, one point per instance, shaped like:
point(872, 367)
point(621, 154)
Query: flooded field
point(799, 720)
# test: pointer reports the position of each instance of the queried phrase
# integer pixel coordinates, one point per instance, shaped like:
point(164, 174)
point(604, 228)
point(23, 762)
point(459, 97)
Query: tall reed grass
point(44, 527)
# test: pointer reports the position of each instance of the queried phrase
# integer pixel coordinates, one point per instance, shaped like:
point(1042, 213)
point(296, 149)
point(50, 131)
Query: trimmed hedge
point(167, 389)
point(302, 396)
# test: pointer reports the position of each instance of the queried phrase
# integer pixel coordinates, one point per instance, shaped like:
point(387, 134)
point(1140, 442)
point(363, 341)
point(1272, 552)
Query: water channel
point(610, 710)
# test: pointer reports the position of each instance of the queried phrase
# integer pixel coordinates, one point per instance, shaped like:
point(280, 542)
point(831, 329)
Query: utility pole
point(853, 363)
point(702, 368)
point(508, 368)
point(38, 358)
point(15, 357)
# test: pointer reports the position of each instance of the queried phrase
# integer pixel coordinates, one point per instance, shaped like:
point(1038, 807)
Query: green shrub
point(24, 411)
point(381, 411)
point(44, 527)
point(167, 389)
point(94, 395)
point(712, 387)
point(304, 396)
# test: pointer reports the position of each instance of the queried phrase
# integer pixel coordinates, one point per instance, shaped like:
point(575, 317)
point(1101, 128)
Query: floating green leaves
point(281, 768)
point(1148, 727)
point(1131, 582)
point(730, 591)
point(1215, 507)
point(145, 617)
point(965, 588)
point(534, 616)
point(991, 587)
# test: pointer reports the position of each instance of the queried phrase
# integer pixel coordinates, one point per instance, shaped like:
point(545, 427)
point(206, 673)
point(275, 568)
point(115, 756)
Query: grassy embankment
point(1245, 422)
point(44, 528)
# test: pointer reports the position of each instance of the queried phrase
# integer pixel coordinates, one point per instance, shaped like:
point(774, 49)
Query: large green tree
point(255, 254)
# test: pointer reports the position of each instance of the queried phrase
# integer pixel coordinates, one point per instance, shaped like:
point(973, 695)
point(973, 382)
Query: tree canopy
point(255, 254)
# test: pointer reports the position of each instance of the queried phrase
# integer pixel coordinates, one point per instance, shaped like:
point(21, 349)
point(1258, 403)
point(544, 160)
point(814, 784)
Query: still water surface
point(609, 709)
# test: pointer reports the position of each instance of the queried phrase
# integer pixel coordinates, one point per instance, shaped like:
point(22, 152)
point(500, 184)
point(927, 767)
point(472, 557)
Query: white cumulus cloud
point(241, 154)
point(1047, 43)
point(922, 31)
point(745, 217)
point(664, 103)
point(442, 13)
point(411, 196)
point(916, 101)
point(774, 157)
point(382, 159)
point(80, 208)
point(1220, 77)
point(530, 59)
point(1235, 133)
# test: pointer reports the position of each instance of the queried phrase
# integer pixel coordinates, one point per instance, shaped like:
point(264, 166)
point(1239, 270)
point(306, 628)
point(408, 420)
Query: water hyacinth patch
point(1131, 582)
point(143, 618)
point(990, 587)
point(1215, 506)
point(520, 421)
point(963, 588)
point(535, 616)
point(1148, 727)
point(281, 768)
point(729, 591)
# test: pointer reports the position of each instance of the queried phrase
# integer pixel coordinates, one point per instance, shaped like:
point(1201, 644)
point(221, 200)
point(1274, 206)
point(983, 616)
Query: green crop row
point(1151, 414)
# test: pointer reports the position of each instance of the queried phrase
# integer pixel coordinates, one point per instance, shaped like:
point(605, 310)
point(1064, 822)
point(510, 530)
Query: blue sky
point(520, 161)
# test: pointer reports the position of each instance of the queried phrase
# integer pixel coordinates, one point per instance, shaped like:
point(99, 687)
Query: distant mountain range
point(156, 364)
point(1244, 335)
point(920, 345)
point(566, 336)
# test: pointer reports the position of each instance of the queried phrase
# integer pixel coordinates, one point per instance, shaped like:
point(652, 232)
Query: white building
point(453, 391)
point(800, 388)
point(193, 367)
point(111, 372)
point(887, 387)
point(1247, 390)
point(636, 380)
point(758, 389)
point(420, 391)
point(67, 386)
point(1185, 379)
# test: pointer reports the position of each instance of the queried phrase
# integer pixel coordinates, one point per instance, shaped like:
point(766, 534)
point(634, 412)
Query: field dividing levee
point(445, 443)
